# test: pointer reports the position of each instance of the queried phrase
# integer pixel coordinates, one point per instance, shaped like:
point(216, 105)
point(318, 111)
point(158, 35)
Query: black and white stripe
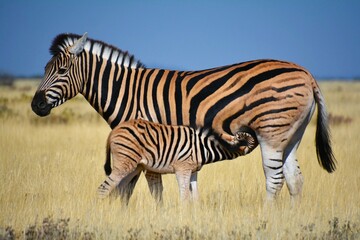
point(276, 99)
point(140, 144)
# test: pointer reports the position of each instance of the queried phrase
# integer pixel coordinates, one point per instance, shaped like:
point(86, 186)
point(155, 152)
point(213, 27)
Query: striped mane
point(99, 48)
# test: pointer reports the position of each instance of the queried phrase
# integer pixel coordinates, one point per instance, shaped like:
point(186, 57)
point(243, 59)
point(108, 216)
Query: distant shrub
point(25, 98)
point(67, 116)
point(7, 234)
point(55, 229)
point(51, 228)
point(6, 79)
point(4, 100)
point(338, 119)
point(346, 230)
point(64, 118)
point(6, 112)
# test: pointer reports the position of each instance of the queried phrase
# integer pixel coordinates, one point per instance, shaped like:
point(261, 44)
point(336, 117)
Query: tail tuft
point(323, 144)
point(107, 165)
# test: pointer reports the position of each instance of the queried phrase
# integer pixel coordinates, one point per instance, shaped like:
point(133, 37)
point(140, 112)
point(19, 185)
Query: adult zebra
point(139, 144)
point(276, 99)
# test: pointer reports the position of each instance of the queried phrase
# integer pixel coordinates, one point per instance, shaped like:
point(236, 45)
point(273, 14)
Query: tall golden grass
point(50, 169)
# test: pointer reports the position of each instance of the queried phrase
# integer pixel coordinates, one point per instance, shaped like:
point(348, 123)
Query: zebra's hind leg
point(273, 169)
point(292, 172)
point(155, 185)
point(293, 176)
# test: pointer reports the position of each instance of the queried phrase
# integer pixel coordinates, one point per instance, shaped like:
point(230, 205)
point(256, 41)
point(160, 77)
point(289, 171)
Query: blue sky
point(323, 36)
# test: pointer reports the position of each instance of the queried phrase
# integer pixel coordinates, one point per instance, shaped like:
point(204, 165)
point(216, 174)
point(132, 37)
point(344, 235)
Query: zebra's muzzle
point(39, 104)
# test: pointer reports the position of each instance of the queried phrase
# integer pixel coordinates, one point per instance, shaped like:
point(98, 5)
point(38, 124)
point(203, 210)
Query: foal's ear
point(78, 46)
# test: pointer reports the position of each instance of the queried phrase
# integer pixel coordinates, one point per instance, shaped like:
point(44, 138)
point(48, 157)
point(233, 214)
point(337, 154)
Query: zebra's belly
point(158, 168)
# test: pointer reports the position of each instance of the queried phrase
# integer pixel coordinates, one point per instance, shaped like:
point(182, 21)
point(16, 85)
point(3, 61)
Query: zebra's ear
point(78, 46)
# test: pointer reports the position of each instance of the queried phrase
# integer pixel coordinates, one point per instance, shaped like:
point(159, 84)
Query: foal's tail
point(107, 165)
point(323, 143)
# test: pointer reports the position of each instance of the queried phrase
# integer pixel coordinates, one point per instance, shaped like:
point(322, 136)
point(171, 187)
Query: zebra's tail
point(107, 165)
point(323, 143)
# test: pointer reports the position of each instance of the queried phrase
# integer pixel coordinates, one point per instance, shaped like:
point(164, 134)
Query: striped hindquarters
point(267, 96)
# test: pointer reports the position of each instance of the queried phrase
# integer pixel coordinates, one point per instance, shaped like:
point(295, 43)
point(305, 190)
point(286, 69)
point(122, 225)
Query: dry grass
point(50, 169)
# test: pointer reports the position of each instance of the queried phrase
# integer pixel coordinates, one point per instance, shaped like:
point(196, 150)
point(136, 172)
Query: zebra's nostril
point(42, 105)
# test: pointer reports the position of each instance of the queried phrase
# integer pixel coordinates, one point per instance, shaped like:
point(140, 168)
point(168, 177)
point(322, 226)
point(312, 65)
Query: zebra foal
point(142, 145)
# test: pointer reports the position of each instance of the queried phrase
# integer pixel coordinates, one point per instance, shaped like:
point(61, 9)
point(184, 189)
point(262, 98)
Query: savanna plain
point(51, 167)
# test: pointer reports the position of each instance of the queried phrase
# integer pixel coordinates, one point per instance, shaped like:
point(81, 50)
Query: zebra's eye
point(61, 70)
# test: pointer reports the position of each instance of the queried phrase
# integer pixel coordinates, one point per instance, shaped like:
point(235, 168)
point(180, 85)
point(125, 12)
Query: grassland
point(50, 169)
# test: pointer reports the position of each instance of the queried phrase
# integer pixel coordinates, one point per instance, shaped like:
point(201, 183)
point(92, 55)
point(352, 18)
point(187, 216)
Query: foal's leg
point(183, 179)
point(127, 184)
point(123, 166)
point(193, 186)
point(155, 185)
point(112, 181)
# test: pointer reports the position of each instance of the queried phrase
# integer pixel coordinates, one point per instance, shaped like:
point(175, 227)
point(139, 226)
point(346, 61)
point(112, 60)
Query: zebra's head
point(63, 78)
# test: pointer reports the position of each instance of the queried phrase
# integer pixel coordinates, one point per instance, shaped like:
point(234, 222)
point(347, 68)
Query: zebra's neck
point(109, 81)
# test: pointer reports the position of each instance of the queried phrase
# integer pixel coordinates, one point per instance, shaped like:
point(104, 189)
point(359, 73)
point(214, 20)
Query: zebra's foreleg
point(183, 179)
point(155, 185)
point(273, 169)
